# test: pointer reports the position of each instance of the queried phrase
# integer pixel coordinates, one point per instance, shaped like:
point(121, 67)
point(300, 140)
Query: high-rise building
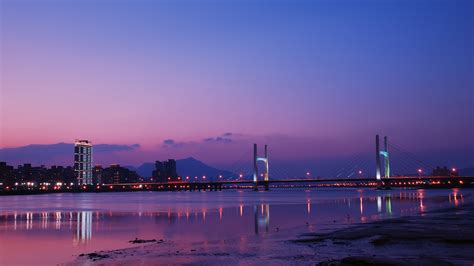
point(165, 171)
point(159, 172)
point(83, 162)
point(170, 169)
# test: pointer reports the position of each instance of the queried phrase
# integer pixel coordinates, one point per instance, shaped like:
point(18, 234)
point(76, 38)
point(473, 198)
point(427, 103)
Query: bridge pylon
point(385, 154)
point(255, 167)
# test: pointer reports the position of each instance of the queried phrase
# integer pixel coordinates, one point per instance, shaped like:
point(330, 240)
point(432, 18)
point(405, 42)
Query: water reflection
point(88, 230)
point(261, 219)
point(388, 205)
point(83, 233)
point(81, 222)
point(456, 197)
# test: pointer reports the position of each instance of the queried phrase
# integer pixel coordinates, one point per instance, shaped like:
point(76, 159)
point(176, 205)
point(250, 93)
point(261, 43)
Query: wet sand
point(441, 237)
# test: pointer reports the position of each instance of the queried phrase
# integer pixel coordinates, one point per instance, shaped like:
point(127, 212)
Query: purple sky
point(313, 79)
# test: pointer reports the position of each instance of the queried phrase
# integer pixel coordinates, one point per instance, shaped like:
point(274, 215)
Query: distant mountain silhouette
point(186, 167)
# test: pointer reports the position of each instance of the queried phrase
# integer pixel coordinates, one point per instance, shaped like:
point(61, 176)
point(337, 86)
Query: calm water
point(49, 229)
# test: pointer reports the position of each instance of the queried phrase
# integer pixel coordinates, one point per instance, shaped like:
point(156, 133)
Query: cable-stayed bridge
point(392, 163)
point(392, 166)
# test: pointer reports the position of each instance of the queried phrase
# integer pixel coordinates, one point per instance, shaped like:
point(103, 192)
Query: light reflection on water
point(81, 223)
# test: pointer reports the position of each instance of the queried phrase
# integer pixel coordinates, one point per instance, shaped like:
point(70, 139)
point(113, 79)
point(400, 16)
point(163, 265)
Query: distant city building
point(60, 174)
point(159, 172)
point(6, 174)
point(97, 174)
point(170, 169)
point(83, 162)
point(438, 171)
point(28, 176)
point(165, 171)
point(115, 174)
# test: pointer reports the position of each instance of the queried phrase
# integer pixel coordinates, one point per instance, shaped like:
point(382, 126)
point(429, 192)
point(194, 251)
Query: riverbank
point(440, 237)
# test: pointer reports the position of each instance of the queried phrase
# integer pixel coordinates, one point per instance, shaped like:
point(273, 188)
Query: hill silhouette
point(185, 167)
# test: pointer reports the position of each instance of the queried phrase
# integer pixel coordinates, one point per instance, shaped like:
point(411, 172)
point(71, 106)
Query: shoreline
point(438, 237)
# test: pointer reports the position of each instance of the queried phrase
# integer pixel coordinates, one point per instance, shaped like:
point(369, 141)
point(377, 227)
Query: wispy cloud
point(224, 138)
point(227, 137)
point(171, 143)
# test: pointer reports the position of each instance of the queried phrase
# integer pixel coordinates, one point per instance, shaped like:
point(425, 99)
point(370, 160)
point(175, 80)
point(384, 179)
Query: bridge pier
point(381, 184)
point(377, 159)
point(255, 167)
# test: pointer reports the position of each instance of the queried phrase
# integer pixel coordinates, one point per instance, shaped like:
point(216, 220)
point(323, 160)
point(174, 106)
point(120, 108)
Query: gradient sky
point(312, 78)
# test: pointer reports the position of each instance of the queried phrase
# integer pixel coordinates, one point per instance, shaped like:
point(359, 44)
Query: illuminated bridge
point(405, 181)
point(382, 179)
point(351, 175)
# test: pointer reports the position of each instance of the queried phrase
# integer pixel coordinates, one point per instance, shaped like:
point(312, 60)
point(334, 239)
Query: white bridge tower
point(385, 155)
point(255, 166)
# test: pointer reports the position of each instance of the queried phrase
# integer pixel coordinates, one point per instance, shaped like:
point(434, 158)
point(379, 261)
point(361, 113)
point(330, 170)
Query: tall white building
point(83, 162)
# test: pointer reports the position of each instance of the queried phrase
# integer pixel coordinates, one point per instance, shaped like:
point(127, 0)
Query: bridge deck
point(311, 180)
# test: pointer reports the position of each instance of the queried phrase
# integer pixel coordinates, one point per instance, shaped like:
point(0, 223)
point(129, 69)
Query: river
point(56, 228)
